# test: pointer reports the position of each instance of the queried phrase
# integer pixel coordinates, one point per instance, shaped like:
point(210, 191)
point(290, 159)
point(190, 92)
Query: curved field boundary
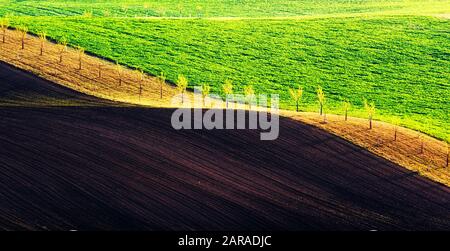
point(103, 79)
point(408, 148)
point(125, 168)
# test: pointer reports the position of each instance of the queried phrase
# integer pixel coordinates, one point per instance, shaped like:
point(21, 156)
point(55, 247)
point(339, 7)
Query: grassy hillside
point(215, 8)
point(399, 62)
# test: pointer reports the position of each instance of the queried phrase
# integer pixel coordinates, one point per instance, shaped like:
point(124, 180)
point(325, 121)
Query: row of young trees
point(23, 31)
point(182, 82)
point(227, 88)
point(62, 48)
point(295, 94)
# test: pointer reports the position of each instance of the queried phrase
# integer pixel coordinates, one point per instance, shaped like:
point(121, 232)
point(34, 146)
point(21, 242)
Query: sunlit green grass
point(218, 8)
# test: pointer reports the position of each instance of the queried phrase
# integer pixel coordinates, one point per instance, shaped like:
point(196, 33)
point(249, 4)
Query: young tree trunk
point(346, 112)
point(42, 50)
point(23, 43)
point(395, 133)
point(4, 36)
point(99, 70)
point(296, 106)
point(421, 145)
point(448, 157)
point(370, 123)
point(321, 109)
point(79, 63)
point(60, 58)
point(161, 90)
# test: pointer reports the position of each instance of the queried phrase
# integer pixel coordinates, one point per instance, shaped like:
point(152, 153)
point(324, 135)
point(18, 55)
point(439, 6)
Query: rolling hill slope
point(90, 164)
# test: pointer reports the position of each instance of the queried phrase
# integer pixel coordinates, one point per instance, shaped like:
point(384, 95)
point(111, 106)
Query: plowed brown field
point(71, 161)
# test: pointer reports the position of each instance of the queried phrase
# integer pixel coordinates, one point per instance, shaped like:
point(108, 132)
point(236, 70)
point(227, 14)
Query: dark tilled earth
point(70, 161)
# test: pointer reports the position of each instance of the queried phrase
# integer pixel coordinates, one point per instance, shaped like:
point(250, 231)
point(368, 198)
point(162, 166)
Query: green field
point(217, 8)
point(396, 54)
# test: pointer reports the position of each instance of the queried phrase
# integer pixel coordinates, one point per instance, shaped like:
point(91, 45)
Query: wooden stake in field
point(4, 24)
point(161, 80)
point(448, 156)
point(42, 38)
point(62, 44)
point(119, 72)
point(347, 106)
point(249, 95)
point(395, 122)
point(99, 70)
point(421, 144)
point(321, 98)
point(227, 89)
point(80, 53)
point(205, 92)
point(370, 108)
point(23, 34)
point(140, 74)
point(182, 84)
point(296, 95)
point(395, 132)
